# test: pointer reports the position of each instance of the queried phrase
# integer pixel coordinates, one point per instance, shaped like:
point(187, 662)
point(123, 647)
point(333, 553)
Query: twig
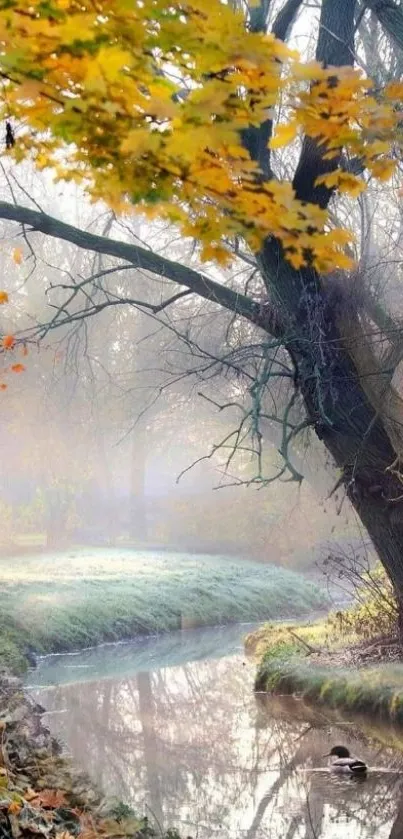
point(305, 643)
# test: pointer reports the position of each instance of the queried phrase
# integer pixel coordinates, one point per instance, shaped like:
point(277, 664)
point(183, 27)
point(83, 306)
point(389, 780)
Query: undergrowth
point(308, 659)
point(72, 600)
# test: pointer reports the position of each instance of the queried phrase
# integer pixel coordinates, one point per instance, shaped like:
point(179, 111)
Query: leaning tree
point(178, 110)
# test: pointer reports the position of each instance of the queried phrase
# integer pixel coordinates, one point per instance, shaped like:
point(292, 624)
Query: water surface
point(171, 726)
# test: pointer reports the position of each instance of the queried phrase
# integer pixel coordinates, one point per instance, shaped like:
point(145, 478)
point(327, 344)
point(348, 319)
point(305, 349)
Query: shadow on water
point(171, 726)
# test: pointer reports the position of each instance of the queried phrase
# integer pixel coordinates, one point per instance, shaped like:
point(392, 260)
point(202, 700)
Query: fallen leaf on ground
point(49, 798)
point(30, 794)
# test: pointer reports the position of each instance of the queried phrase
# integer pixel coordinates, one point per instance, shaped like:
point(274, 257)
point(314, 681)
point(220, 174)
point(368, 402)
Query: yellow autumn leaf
point(351, 184)
point(215, 253)
point(285, 133)
point(344, 181)
point(394, 90)
point(329, 179)
point(110, 62)
point(105, 113)
point(296, 258)
point(136, 142)
point(17, 256)
point(308, 70)
point(3, 297)
point(340, 236)
point(377, 147)
point(382, 169)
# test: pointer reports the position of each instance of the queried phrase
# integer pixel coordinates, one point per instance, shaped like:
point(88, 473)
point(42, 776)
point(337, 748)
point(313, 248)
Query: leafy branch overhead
point(147, 104)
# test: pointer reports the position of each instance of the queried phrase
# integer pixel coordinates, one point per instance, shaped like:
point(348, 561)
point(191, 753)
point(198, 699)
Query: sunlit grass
point(79, 598)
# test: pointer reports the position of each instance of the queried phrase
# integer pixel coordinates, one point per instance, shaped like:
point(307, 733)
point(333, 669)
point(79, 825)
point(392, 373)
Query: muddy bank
point(365, 677)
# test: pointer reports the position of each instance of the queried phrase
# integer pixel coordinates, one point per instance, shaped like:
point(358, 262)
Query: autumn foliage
point(150, 100)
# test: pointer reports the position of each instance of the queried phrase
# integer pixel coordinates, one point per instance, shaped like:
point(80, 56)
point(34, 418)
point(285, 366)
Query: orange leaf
point(17, 368)
point(394, 90)
point(8, 342)
point(14, 808)
point(3, 297)
point(17, 256)
point(49, 798)
point(3, 386)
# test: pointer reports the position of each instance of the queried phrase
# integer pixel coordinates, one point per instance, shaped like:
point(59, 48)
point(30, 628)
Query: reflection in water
point(191, 744)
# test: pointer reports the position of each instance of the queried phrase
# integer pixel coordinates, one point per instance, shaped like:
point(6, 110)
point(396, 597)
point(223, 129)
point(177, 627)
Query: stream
point(170, 725)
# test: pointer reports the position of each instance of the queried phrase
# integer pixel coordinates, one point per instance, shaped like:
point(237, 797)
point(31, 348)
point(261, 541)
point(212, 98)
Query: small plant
point(374, 611)
point(120, 810)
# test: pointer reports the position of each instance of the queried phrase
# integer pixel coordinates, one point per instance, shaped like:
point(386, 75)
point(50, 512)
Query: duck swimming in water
point(343, 762)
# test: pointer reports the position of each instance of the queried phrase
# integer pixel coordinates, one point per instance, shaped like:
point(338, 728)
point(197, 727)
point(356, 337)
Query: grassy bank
point(324, 664)
point(67, 601)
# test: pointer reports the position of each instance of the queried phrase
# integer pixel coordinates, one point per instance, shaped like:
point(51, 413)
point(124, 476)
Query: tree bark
point(338, 407)
point(335, 397)
point(390, 16)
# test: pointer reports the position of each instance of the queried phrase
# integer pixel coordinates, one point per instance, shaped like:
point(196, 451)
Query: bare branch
point(140, 257)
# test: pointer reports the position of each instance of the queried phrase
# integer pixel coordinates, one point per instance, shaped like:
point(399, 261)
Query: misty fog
point(111, 435)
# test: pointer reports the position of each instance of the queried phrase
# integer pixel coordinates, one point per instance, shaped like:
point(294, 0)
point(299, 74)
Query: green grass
point(286, 667)
point(75, 599)
point(375, 690)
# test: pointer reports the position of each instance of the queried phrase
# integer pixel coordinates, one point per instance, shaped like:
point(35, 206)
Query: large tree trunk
point(338, 407)
point(308, 317)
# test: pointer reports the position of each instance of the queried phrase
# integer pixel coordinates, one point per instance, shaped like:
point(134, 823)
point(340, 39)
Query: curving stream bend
point(171, 726)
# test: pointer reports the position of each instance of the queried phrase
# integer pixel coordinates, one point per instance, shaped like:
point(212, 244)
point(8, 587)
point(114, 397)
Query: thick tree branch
point(285, 19)
point(390, 17)
point(197, 282)
point(256, 139)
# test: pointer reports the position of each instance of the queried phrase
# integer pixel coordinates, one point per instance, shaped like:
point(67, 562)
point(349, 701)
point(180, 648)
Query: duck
point(344, 762)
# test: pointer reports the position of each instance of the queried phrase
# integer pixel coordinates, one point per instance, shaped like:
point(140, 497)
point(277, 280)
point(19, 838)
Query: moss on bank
point(321, 663)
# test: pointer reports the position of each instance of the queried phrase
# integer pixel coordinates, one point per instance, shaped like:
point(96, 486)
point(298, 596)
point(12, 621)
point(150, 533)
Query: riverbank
point(41, 792)
point(323, 664)
point(64, 602)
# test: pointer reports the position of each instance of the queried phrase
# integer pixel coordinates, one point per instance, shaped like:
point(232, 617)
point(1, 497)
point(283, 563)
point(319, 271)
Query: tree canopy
point(151, 105)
